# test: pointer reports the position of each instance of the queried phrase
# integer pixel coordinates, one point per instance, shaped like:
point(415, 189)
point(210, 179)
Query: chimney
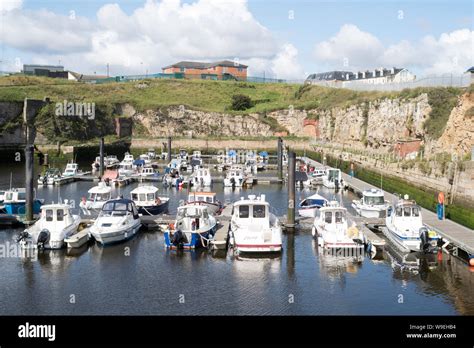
point(375, 73)
point(347, 76)
point(381, 72)
point(392, 71)
point(363, 74)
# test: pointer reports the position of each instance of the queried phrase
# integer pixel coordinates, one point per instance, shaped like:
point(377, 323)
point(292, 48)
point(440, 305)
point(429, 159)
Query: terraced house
point(221, 70)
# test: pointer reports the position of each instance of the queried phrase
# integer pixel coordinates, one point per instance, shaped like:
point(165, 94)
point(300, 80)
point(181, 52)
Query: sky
point(287, 39)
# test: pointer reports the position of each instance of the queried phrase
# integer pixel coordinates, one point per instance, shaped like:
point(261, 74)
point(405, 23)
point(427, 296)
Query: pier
point(454, 234)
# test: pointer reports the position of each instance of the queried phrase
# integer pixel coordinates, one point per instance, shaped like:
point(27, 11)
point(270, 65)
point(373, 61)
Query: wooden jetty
point(455, 234)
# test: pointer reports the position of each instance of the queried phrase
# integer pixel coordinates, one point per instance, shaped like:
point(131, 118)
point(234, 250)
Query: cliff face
point(179, 121)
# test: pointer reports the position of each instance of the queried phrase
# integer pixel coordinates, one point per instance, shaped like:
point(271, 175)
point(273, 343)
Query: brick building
point(221, 70)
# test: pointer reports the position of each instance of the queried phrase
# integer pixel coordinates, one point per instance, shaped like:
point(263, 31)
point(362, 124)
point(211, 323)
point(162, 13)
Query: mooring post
point(29, 195)
point(169, 150)
point(101, 171)
point(291, 190)
point(280, 158)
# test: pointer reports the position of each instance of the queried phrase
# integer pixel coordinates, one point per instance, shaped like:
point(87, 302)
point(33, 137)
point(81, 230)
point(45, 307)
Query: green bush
point(442, 101)
point(241, 102)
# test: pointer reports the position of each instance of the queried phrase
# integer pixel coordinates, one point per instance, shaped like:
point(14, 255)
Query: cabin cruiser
point(118, 221)
point(56, 223)
point(98, 195)
point(234, 177)
point(251, 166)
point(14, 202)
point(71, 169)
point(405, 229)
point(147, 200)
point(183, 155)
point(262, 160)
point(126, 169)
point(332, 230)
point(109, 162)
point(148, 171)
point(172, 178)
point(332, 179)
point(146, 159)
point(194, 227)
point(49, 177)
point(315, 178)
point(128, 158)
point(207, 199)
point(308, 206)
point(372, 204)
point(201, 177)
point(253, 228)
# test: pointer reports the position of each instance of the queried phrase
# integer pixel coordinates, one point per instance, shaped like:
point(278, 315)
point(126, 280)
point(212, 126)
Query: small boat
point(310, 205)
point(207, 199)
point(118, 221)
point(201, 177)
point(14, 202)
point(332, 179)
point(71, 169)
point(147, 200)
point(128, 158)
point(183, 155)
point(194, 227)
point(253, 228)
point(78, 239)
point(372, 204)
point(56, 223)
point(315, 178)
point(146, 159)
point(331, 229)
point(49, 177)
point(126, 168)
point(251, 166)
point(151, 153)
point(111, 161)
point(234, 177)
point(98, 195)
point(148, 171)
point(172, 178)
point(405, 229)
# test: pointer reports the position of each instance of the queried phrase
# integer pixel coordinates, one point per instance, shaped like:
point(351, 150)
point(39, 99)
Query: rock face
point(458, 136)
point(179, 121)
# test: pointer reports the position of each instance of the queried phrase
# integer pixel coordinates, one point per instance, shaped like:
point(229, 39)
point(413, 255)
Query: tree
point(241, 102)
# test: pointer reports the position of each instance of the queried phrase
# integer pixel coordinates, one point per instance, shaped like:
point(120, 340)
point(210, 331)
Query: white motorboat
point(98, 195)
point(201, 177)
point(151, 153)
point(234, 177)
point(315, 178)
point(332, 230)
point(111, 161)
point(127, 168)
point(49, 177)
point(148, 201)
point(172, 178)
point(56, 223)
point(71, 169)
point(207, 199)
point(372, 204)
point(183, 155)
point(253, 228)
point(405, 229)
point(146, 159)
point(332, 179)
point(118, 221)
point(14, 202)
point(310, 205)
point(148, 171)
point(251, 166)
point(194, 227)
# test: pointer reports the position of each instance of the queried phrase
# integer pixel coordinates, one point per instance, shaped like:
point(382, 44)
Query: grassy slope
point(198, 94)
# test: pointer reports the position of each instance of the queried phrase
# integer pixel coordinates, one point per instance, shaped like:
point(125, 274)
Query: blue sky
point(298, 37)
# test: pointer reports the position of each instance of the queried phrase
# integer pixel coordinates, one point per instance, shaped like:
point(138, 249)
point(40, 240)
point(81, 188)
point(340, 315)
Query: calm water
point(152, 280)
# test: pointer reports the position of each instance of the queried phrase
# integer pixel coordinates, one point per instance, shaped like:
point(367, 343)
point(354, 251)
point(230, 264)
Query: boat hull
point(20, 207)
point(194, 239)
point(153, 209)
point(115, 236)
point(403, 243)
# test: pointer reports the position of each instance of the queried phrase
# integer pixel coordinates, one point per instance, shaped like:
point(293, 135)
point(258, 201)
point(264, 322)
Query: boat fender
point(352, 232)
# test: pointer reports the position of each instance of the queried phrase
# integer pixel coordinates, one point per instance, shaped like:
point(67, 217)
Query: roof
point(55, 206)
point(145, 189)
point(343, 75)
point(373, 193)
point(252, 199)
point(202, 194)
point(100, 189)
point(205, 65)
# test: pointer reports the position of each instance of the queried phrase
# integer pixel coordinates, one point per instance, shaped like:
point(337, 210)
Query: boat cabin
point(100, 193)
point(148, 171)
point(332, 214)
point(192, 218)
point(119, 207)
point(254, 211)
point(145, 196)
point(208, 197)
point(56, 214)
point(15, 195)
point(373, 197)
point(333, 175)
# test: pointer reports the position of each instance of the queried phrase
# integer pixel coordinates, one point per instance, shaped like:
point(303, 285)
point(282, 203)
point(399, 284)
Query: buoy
point(471, 262)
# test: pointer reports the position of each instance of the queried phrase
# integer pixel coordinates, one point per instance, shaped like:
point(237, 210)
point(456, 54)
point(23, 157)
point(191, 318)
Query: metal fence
point(445, 80)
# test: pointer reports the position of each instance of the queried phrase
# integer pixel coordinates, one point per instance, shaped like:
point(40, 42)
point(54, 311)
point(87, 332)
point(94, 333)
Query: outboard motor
point(178, 239)
point(23, 235)
point(425, 244)
point(232, 181)
point(43, 238)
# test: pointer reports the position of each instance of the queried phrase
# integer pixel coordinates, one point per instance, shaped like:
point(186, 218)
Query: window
point(142, 196)
point(378, 200)
point(60, 215)
point(150, 196)
point(339, 216)
point(258, 211)
point(182, 69)
point(209, 199)
point(415, 211)
point(49, 215)
point(134, 196)
point(406, 211)
point(244, 211)
point(21, 196)
point(328, 217)
point(399, 211)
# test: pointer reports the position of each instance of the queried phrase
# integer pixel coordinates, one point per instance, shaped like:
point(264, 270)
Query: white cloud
point(285, 65)
point(450, 53)
point(10, 5)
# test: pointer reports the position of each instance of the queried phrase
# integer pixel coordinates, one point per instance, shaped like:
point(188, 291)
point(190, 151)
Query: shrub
point(241, 102)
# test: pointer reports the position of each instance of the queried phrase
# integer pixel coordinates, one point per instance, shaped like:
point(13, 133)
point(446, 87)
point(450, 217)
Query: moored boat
point(372, 204)
point(309, 205)
point(207, 199)
point(147, 200)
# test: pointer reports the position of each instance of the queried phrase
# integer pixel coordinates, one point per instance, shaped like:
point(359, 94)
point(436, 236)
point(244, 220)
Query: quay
point(454, 234)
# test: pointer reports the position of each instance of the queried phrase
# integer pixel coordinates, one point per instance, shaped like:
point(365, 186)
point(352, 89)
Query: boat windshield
point(374, 200)
point(99, 197)
point(115, 209)
point(143, 197)
point(191, 212)
point(258, 211)
point(244, 211)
